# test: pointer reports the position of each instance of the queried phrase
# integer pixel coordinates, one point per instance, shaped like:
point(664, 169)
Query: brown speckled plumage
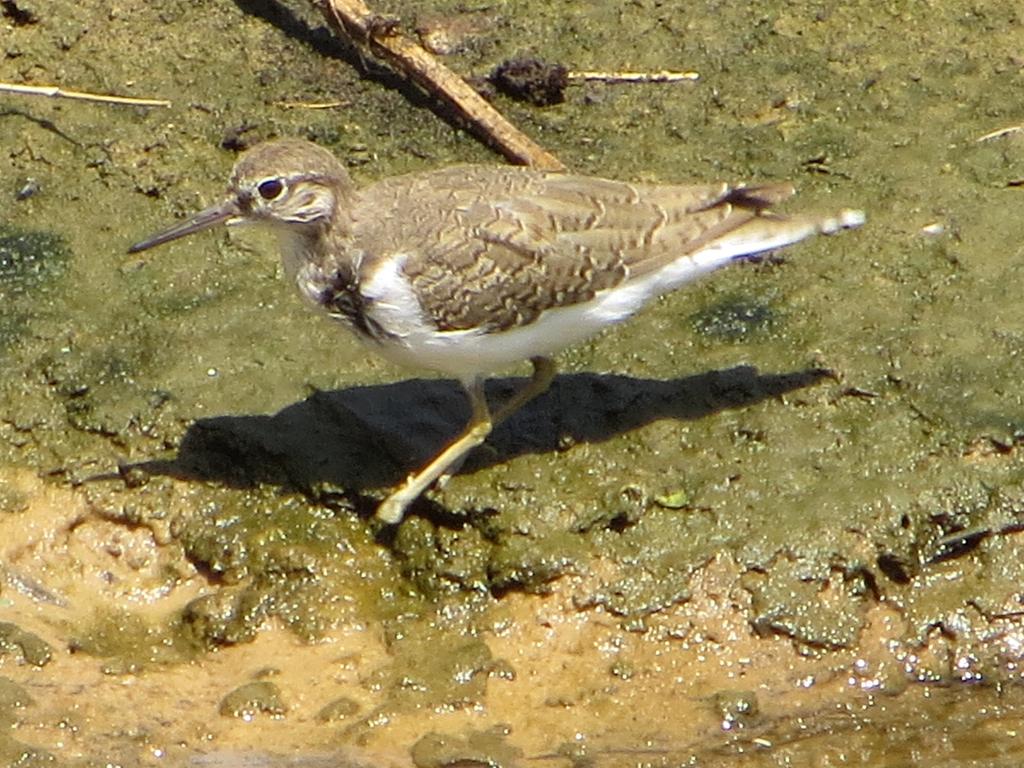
point(494, 247)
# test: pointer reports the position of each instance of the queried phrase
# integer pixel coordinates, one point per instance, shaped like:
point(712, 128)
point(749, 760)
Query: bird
point(469, 269)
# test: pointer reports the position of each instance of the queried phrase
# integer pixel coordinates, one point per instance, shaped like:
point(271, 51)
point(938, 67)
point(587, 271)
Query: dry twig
point(354, 19)
point(1000, 133)
point(54, 91)
point(634, 77)
point(311, 104)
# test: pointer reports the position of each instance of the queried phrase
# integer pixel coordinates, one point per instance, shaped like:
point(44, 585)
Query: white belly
point(469, 353)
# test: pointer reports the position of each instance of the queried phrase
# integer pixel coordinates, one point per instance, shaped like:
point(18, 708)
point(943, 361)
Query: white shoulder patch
point(392, 302)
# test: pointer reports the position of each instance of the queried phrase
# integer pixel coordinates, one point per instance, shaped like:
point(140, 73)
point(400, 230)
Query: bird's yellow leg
point(392, 510)
point(540, 380)
point(481, 422)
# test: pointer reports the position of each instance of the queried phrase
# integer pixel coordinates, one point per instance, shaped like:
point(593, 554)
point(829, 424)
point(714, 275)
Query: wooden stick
point(634, 77)
point(1000, 133)
point(356, 21)
point(55, 92)
point(311, 104)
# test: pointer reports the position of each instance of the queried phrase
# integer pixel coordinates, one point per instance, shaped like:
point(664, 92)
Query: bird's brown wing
point(503, 247)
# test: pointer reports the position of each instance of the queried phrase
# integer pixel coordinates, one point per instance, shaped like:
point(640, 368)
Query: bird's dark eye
point(270, 189)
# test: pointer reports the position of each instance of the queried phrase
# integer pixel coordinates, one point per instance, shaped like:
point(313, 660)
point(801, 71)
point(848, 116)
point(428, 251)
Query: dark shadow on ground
point(321, 40)
point(372, 437)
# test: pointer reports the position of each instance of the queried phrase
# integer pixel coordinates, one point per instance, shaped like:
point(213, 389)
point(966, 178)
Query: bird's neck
point(316, 246)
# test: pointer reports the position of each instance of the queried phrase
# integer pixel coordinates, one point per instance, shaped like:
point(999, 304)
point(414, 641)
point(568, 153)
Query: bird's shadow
point(370, 437)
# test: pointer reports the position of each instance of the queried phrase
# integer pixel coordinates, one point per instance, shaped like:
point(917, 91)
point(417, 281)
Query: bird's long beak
point(206, 218)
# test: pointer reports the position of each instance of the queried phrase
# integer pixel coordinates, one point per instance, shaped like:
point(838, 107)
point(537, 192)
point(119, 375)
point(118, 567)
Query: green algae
point(25, 646)
point(29, 260)
point(734, 318)
point(31, 263)
point(12, 696)
point(817, 616)
point(257, 698)
point(479, 748)
point(113, 634)
point(433, 671)
point(126, 644)
point(337, 710)
point(18, 755)
point(12, 500)
point(308, 567)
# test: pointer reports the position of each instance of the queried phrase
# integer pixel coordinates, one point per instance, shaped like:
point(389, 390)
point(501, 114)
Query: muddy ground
point(773, 520)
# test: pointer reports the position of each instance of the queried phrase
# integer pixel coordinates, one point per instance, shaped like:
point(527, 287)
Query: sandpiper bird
point(468, 269)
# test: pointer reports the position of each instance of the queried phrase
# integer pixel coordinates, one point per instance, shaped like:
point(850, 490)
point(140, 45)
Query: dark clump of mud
point(531, 80)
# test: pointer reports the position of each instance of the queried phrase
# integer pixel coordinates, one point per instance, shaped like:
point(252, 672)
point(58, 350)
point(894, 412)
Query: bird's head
point(286, 183)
